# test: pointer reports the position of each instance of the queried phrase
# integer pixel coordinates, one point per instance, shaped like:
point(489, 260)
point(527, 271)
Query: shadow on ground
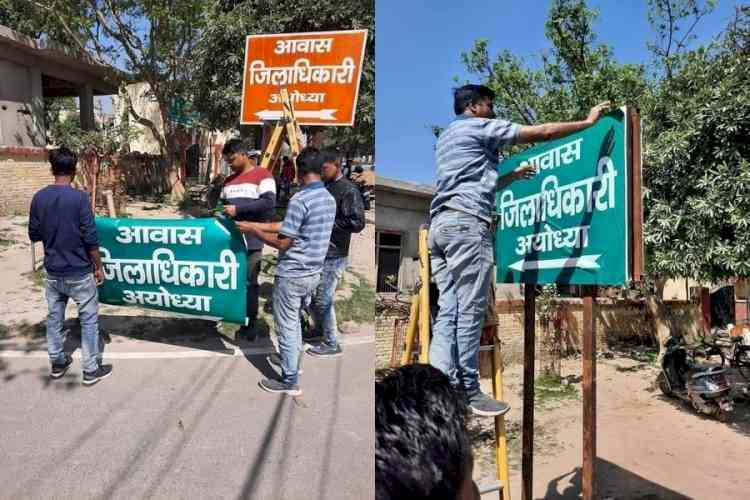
point(612, 481)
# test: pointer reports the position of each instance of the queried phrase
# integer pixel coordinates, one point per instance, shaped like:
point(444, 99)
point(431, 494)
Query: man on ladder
point(462, 232)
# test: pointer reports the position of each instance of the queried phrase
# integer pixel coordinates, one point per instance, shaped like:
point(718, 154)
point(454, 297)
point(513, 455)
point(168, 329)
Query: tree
point(152, 40)
point(221, 52)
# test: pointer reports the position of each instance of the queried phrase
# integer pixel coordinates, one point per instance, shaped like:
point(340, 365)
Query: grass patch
point(124, 215)
point(31, 330)
point(36, 277)
point(4, 331)
point(551, 389)
point(186, 204)
point(360, 306)
point(5, 242)
point(646, 357)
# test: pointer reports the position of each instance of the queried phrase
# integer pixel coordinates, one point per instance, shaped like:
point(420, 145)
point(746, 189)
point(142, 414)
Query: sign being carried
point(578, 221)
point(321, 71)
point(184, 266)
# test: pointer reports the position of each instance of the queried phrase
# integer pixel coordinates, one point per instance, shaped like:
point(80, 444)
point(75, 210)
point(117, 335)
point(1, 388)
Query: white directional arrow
point(582, 262)
point(323, 114)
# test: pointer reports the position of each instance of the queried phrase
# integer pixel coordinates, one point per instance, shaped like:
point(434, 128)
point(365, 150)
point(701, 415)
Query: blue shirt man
point(461, 238)
point(62, 218)
point(302, 240)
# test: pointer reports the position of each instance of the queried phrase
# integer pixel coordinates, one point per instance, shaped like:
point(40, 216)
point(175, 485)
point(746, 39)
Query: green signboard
point(185, 266)
point(570, 223)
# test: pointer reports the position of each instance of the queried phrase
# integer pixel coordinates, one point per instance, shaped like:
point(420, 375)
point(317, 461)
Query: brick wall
point(21, 180)
point(615, 322)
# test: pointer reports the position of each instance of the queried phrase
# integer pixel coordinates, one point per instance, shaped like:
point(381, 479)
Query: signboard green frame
point(574, 222)
point(194, 267)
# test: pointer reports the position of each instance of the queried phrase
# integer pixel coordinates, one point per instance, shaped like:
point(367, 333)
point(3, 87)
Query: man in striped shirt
point(249, 194)
point(302, 240)
point(461, 238)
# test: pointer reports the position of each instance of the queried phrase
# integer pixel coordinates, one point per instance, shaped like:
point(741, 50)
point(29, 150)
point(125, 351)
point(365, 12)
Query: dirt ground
point(23, 308)
point(649, 447)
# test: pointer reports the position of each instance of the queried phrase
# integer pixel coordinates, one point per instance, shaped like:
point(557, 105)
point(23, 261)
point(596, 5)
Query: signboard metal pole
point(589, 393)
point(529, 343)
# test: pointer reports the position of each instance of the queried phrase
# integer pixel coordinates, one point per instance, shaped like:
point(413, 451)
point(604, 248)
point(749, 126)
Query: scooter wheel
point(724, 416)
point(664, 385)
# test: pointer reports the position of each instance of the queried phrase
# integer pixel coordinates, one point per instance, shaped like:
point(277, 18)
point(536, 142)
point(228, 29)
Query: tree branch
point(54, 11)
point(111, 32)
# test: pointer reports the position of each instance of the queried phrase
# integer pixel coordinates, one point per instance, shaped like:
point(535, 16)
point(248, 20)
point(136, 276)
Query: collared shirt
point(309, 222)
point(467, 156)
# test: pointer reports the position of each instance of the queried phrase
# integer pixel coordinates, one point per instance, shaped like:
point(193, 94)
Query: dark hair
point(422, 447)
point(329, 155)
point(467, 95)
point(309, 162)
point(233, 146)
point(63, 161)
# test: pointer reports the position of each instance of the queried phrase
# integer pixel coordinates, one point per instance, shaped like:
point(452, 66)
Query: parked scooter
point(705, 387)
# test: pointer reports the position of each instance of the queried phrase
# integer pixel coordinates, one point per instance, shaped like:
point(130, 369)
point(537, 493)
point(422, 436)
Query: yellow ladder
point(288, 124)
point(419, 324)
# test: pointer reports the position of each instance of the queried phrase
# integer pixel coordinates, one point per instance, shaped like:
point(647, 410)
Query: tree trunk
point(176, 187)
point(658, 310)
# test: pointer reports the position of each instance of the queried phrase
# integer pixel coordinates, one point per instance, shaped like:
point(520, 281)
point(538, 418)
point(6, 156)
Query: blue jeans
point(84, 293)
point(289, 296)
point(323, 308)
point(462, 262)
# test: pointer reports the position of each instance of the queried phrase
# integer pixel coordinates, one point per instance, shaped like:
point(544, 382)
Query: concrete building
point(31, 70)
point(401, 208)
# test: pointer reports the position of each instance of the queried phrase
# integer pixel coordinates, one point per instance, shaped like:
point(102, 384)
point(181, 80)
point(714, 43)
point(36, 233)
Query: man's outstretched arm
point(549, 131)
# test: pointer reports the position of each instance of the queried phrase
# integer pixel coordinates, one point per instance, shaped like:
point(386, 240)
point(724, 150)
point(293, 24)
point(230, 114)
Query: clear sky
point(418, 49)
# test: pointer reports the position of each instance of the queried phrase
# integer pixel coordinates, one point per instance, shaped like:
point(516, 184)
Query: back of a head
point(329, 155)
point(234, 146)
point(422, 448)
point(470, 94)
point(309, 161)
point(63, 161)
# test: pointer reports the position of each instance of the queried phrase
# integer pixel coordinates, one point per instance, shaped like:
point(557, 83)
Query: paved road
point(188, 428)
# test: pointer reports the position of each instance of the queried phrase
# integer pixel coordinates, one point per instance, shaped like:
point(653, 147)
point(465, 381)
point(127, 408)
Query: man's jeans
point(84, 293)
point(289, 295)
point(462, 263)
point(323, 309)
point(254, 258)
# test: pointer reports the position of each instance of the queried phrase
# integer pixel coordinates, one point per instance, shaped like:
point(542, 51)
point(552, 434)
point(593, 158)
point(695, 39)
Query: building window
point(388, 254)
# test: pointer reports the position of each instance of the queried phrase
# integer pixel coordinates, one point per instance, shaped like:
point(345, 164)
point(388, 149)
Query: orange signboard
point(320, 70)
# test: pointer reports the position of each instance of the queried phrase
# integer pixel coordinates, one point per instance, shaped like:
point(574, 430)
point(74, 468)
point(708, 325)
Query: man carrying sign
point(461, 235)
point(302, 240)
point(250, 194)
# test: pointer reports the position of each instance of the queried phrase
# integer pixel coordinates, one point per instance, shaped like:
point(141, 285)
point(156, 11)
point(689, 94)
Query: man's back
point(309, 221)
point(467, 158)
point(61, 217)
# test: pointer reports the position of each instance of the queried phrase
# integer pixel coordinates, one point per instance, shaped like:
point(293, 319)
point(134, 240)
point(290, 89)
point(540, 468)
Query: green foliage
point(698, 169)
point(360, 306)
point(220, 57)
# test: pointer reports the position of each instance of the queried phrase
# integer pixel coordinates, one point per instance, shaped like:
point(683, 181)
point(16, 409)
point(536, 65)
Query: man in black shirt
point(350, 218)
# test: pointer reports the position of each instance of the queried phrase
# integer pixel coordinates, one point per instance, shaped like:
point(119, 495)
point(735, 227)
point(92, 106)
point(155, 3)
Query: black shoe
point(279, 387)
point(311, 335)
point(58, 370)
point(91, 378)
point(275, 360)
point(325, 351)
point(483, 405)
point(247, 332)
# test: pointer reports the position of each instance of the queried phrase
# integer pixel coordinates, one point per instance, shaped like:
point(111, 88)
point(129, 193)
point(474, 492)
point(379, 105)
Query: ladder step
point(490, 487)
